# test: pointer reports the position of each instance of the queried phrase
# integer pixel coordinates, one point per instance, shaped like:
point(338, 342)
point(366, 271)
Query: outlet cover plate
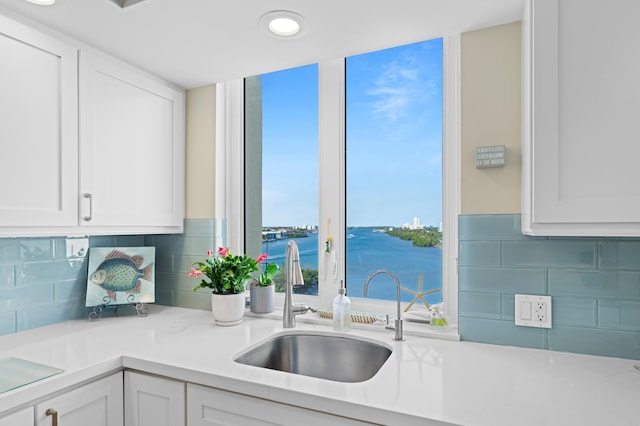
point(533, 310)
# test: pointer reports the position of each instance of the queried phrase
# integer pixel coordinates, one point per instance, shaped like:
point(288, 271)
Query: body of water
point(369, 251)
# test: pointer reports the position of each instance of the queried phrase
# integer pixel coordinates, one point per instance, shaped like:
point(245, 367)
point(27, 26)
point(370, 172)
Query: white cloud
point(400, 84)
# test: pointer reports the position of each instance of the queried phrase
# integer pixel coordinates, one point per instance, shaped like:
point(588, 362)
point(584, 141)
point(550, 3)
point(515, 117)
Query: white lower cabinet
point(137, 399)
point(208, 406)
point(153, 401)
point(98, 403)
point(20, 418)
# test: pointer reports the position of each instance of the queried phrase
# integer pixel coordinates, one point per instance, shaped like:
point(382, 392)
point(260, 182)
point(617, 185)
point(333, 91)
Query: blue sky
point(394, 139)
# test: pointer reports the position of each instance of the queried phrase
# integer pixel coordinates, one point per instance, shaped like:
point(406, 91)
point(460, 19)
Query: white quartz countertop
point(425, 381)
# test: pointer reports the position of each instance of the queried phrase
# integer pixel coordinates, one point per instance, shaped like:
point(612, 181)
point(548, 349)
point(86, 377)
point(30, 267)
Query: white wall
point(490, 115)
point(200, 152)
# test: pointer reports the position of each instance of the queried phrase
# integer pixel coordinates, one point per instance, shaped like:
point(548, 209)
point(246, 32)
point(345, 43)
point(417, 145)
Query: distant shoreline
point(366, 252)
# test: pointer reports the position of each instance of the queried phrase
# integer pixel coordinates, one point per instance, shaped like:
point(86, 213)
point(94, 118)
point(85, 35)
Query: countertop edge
point(425, 381)
point(275, 394)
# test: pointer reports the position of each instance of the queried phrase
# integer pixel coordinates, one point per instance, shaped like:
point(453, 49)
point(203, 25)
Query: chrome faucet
point(293, 274)
point(398, 321)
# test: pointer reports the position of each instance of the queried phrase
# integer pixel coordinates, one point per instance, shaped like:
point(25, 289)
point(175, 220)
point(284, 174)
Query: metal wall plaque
point(490, 156)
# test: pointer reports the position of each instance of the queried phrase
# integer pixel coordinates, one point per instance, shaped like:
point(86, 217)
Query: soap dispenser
point(341, 310)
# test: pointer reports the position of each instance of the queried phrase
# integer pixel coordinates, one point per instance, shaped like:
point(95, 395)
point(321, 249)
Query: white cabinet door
point(38, 129)
point(131, 146)
point(97, 403)
point(208, 406)
point(20, 418)
point(153, 401)
point(580, 114)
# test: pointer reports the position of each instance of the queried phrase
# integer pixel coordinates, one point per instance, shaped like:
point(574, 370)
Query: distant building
point(415, 225)
point(274, 235)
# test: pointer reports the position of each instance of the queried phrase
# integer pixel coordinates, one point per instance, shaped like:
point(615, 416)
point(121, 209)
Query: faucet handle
point(299, 309)
point(399, 330)
point(397, 327)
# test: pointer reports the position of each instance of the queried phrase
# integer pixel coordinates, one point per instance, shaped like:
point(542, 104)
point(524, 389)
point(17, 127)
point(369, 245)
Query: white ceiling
point(193, 43)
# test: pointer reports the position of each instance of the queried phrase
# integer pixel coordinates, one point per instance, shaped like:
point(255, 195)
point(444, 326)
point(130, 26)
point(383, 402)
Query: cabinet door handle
point(90, 197)
point(54, 416)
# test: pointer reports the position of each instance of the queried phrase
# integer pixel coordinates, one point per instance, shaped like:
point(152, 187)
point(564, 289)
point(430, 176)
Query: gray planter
point(261, 299)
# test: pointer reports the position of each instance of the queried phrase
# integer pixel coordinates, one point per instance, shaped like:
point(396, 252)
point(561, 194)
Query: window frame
point(230, 177)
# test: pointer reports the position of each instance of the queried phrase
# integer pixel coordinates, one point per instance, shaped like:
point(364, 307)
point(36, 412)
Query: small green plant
point(266, 277)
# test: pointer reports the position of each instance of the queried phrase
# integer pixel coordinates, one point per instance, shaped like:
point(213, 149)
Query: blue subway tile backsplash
point(44, 280)
point(490, 227)
point(575, 311)
point(599, 284)
point(619, 315)
point(594, 284)
point(480, 305)
point(176, 253)
point(7, 322)
point(593, 341)
point(501, 332)
point(620, 254)
point(502, 280)
point(480, 253)
point(565, 253)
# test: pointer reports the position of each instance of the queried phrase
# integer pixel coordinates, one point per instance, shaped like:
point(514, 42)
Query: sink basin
point(327, 356)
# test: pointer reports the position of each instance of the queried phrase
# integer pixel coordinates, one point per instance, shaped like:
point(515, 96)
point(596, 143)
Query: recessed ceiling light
point(284, 27)
point(283, 24)
point(42, 2)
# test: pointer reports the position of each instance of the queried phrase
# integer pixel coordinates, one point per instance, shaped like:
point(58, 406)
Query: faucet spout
point(398, 321)
point(293, 273)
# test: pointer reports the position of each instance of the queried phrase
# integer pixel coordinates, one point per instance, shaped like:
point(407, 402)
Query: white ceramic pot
point(228, 309)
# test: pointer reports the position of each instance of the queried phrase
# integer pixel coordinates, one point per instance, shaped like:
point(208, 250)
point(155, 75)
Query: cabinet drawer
point(208, 406)
point(20, 418)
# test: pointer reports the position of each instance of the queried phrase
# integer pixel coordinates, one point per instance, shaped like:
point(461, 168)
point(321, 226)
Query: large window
point(281, 121)
point(394, 169)
point(347, 158)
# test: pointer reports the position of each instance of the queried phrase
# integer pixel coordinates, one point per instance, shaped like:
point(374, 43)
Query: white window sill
point(410, 328)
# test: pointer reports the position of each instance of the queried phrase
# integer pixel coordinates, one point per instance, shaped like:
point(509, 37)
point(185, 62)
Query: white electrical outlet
point(533, 310)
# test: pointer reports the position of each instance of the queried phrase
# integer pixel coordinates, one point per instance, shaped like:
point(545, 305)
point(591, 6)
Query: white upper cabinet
point(131, 147)
point(38, 128)
point(88, 146)
point(581, 106)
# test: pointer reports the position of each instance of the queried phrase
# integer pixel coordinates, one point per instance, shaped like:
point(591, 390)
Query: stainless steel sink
point(327, 356)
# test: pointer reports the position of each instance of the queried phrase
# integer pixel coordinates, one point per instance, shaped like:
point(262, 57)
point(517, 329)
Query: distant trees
point(427, 237)
point(271, 234)
point(310, 277)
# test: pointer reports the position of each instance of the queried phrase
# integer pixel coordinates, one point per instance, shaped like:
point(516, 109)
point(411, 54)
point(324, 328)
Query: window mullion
point(331, 157)
point(230, 158)
point(451, 173)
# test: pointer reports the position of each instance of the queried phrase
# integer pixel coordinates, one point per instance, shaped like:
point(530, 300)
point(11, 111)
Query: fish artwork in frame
point(120, 276)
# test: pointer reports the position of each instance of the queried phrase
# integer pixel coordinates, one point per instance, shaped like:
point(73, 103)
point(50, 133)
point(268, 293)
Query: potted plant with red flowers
point(225, 274)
